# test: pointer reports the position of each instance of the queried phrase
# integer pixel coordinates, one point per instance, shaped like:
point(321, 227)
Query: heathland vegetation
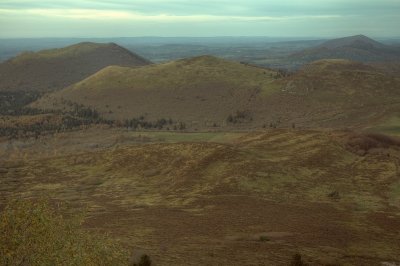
point(199, 161)
point(35, 233)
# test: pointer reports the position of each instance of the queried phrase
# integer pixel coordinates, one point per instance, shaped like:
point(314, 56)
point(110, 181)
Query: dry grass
point(33, 233)
point(182, 201)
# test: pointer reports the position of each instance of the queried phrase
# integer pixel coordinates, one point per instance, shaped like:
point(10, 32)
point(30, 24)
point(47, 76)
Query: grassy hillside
point(200, 91)
point(256, 198)
point(57, 68)
point(210, 93)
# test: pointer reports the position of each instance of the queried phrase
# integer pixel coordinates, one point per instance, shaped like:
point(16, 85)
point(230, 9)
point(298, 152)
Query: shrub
point(297, 260)
point(182, 126)
point(239, 117)
point(139, 258)
point(33, 233)
point(144, 261)
point(263, 238)
point(335, 195)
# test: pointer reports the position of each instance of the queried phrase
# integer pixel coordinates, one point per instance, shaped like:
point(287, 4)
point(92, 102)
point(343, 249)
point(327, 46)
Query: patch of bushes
point(297, 260)
point(334, 195)
point(46, 125)
point(74, 116)
point(33, 233)
point(141, 123)
point(239, 117)
point(362, 143)
point(282, 73)
point(162, 123)
point(144, 260)
point(14, 103)
point(263, 238)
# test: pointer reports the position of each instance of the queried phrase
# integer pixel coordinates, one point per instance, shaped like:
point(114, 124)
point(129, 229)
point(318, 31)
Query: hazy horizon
point(183, 18)
point(265, 37)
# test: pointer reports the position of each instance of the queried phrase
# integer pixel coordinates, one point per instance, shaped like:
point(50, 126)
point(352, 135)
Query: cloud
point(98, 14)
point(187, 10)
point(198, 17)
point(215, 7)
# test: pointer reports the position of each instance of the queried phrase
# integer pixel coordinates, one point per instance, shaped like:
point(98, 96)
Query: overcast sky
point(128, 18)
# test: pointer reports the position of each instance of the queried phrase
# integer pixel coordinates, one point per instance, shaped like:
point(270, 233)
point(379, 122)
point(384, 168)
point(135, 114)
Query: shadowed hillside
point(357, 41)
point(54, 69)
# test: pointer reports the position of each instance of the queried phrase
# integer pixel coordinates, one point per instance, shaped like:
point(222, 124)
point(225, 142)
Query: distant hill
point(357, 41)
point(201, 90)
point(358, 48)
point(54, 69)
point(206, 92)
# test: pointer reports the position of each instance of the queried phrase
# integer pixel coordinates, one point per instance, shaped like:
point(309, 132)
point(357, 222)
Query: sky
point(196, 18)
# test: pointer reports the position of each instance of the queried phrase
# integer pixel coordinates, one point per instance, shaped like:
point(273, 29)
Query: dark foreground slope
point(250, 199)
point(54, 69)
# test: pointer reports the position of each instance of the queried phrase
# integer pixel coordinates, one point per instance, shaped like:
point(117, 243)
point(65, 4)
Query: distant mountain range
point(55, 69)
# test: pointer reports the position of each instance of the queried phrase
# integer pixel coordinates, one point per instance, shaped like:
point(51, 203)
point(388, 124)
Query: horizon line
point(197, 37)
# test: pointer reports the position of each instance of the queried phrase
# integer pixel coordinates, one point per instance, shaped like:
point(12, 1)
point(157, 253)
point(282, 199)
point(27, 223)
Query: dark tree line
point(45, 126)
point(15, 103)
point(163, 123)
point(76, 116)
point(88, 113)
point(239, 117)
point(282, 73)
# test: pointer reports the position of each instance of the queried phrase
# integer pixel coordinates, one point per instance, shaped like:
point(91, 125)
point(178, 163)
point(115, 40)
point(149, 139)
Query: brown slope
point(57, 68)
point(337, 93)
